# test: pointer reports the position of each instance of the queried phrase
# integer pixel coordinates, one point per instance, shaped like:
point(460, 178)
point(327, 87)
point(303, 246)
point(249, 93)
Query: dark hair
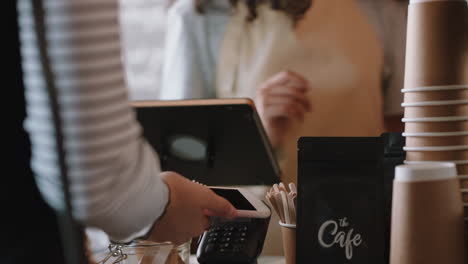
point(293, 8)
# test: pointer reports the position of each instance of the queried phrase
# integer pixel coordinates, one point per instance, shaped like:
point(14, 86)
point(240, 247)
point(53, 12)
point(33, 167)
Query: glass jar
point(145, 252)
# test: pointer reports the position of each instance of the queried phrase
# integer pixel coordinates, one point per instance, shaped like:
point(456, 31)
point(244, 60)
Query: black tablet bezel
point(239, 152)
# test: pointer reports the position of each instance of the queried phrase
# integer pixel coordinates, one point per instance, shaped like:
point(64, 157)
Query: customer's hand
point(188, 211)
point(281, 100)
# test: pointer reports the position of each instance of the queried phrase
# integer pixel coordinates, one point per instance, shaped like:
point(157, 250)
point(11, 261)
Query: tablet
point(213, 141)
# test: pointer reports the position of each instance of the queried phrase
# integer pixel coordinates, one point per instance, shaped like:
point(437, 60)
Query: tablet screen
point(219, 142)
point(235, 198)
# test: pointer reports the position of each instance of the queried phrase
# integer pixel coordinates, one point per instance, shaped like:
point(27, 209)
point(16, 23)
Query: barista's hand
point(188, 211)
point(280, 100)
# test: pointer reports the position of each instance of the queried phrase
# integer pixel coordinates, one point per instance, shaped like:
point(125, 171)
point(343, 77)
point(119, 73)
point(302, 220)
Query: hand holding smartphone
point(247, 205)
point(239, 240)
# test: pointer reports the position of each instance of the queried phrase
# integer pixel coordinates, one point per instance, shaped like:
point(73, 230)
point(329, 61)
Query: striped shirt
point(113, 171)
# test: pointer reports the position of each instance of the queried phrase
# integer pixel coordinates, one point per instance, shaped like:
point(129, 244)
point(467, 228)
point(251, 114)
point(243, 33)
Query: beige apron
point(333, 47)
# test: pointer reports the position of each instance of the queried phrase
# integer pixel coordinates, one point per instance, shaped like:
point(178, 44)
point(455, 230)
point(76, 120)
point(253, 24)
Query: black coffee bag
point(344, 198)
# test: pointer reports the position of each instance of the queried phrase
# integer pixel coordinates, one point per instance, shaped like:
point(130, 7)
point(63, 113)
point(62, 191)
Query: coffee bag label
point(344, 198)
point(340, 234)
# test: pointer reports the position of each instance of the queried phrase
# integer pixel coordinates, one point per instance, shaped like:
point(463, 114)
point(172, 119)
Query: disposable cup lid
point(457, 162)
point(434, 88)
point(434, 103)
point(423, 1)
point(434, 119)
point(430, 171)
point(436, 134)
point(287, 225)
point(437, 148)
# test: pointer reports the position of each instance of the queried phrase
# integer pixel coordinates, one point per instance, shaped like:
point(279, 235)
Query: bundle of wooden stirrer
point(283, 202)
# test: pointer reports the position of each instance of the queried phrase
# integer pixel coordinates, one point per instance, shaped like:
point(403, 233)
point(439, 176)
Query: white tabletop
point(261, 260)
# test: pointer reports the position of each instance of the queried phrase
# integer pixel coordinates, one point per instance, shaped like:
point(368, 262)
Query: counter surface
point(261, 260)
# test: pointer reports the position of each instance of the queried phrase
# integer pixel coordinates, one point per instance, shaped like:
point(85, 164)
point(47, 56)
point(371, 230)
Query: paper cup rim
point(456, 162)
point(435, 88)
point(434, 119)
point(286, 225)
point(434, 103)
point(426, 1)
point(436, 148)
point(435, 134)
point(425, 172)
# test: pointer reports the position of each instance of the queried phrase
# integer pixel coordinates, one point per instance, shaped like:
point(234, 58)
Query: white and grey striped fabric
point(113, 171)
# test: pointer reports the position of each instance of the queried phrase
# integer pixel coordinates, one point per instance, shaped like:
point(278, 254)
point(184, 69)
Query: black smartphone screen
point(235, 198)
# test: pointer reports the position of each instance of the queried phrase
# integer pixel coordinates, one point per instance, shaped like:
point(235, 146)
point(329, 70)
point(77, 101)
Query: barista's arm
point(116, 183)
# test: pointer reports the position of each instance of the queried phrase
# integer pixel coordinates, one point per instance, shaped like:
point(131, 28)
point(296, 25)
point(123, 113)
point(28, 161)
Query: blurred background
point(143, 31)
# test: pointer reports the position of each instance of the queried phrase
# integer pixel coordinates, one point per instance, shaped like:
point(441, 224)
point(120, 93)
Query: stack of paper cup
point(436, 127)
point(436, 85)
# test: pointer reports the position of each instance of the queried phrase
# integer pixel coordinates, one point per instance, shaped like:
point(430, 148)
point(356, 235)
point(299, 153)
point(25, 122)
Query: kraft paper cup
point(437, 156)
point(427, 223)
point(464, 183)
point(289, 242)
point(437, 125)
point(436, 138)
point(436, 141)
point(435, 108)
point(464, 192)
point(435, 93)
point(462, 166)
point(436, 153)
point(436, 44)
point(456, 162)
point(462, 169)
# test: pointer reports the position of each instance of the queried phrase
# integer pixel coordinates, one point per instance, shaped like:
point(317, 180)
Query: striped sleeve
point(114, 173)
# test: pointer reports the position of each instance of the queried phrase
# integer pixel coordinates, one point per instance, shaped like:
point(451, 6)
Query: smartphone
point(247, 205)
point(238, 241)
